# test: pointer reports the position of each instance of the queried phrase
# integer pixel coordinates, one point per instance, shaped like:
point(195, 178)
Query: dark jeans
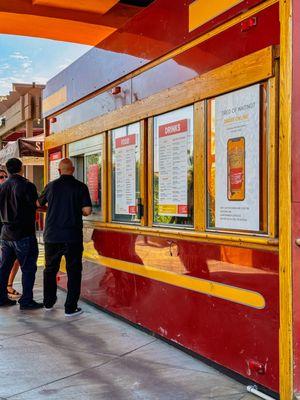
point(73, 255)
point(26, 252)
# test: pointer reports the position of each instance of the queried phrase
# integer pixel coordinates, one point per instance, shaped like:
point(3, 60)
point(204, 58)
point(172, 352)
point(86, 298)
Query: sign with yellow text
point(202, 11)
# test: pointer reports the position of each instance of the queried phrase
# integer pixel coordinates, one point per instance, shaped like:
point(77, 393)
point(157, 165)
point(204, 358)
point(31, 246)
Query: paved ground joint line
point(140, 347)
point(60, 379)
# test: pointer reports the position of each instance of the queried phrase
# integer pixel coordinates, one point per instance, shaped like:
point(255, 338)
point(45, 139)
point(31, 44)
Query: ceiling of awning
point(79, 21)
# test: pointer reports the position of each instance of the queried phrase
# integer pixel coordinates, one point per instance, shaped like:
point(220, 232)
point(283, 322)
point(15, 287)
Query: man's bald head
point(66, 167)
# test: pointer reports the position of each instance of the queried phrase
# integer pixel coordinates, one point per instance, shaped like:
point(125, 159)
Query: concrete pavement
point(43, 355)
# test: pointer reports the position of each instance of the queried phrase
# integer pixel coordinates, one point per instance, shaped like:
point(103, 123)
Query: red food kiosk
point(185, 126)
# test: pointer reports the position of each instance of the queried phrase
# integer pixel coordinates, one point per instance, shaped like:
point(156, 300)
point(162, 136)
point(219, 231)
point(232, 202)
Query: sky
point(27, 60)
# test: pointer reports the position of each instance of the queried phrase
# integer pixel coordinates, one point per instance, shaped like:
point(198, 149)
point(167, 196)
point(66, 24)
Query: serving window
point(237, 164)
point(87, 157)
point(173, 164)
point(126, 173)
point(203, 158)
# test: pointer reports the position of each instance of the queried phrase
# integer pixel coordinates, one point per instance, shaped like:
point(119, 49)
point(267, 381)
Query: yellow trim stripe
point(201, 11)
point(226, 292)
point(55, 99)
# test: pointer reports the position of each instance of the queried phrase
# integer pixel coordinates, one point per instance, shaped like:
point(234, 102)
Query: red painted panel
point(210, 54)
point(225, 332)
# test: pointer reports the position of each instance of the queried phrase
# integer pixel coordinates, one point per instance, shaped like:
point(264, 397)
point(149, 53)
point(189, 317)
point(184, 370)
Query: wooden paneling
point(109, 176)
point(285, 231)
point(104, 178)
point(246, 241)
point(150, 171)
point(143, 172)
point(199, 167)
point(273, 155)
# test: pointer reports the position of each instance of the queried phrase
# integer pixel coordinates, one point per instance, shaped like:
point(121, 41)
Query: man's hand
point(86, 211)
point(41, 208)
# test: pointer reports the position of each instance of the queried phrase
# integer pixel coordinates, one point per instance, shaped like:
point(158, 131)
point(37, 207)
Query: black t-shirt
point(66, 196)
point(17, 208)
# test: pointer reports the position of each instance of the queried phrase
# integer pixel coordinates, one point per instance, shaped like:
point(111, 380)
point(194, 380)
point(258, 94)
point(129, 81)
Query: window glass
point(173, 184)
point(55, 158)
point(93, 178)
point(126, 173)
point(236, 160)
point(87, 157)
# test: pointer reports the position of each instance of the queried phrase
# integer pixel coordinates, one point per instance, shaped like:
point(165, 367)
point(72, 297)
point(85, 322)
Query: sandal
point(12, 291)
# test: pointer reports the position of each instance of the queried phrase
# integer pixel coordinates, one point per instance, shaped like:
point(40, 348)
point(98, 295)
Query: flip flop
point(12, 291)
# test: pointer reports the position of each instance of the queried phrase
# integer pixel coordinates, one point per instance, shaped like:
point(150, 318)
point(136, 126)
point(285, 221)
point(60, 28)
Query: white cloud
point(27, 64)
point(17, 55)
point(4, 67)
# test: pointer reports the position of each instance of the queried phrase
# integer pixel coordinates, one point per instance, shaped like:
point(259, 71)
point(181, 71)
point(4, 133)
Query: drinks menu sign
point(125, 197)
point(237, 159)
point(173, 168)
point(54, 160)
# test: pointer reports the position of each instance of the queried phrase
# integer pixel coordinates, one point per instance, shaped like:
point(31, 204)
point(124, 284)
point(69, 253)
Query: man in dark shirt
point(68, 200)
point(17, 208)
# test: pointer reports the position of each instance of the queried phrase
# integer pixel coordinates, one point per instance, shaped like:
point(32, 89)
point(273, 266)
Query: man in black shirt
point(68, 200)
point(17, 208)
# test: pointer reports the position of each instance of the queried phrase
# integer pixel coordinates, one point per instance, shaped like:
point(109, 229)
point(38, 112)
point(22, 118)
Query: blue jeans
point(26, 252)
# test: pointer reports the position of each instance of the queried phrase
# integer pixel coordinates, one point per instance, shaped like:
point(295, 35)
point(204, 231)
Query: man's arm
point(86, 201)
point(42, 200)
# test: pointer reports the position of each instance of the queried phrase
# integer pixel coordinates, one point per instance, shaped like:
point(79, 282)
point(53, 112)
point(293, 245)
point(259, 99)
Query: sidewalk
point(95, 356)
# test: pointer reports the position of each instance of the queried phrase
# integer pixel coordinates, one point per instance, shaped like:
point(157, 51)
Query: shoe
point(33, 305)
point(8, 302)
point(48, 308)
point(78, 311)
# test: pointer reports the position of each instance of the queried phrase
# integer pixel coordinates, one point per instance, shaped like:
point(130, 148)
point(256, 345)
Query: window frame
point(103, 217)
point(151, 156)
point(142, 176)
point(269, 164)
point(262, 65)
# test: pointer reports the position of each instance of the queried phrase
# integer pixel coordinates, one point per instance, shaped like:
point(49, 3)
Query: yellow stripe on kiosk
point(226, 292)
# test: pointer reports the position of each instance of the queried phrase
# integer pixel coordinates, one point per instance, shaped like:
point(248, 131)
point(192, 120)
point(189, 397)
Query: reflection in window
point(173, 183)
point(126, 173)
point(93, 167)
point(87, 157)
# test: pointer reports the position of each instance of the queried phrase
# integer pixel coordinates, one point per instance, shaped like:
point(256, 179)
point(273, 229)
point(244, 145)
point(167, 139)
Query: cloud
point(17, 55)
point(65, 64)
point(4, 67)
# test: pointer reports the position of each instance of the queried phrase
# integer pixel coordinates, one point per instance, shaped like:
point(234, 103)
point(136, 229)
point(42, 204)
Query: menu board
point(237, 159)
point(54, 160)
point(93, 182)
point(125, 171)
point(173, 168)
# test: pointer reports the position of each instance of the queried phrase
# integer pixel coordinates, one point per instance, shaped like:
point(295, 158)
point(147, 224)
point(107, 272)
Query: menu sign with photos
point(54, 160)
point(173, 168)
point(125, 187)
point(237, 159)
